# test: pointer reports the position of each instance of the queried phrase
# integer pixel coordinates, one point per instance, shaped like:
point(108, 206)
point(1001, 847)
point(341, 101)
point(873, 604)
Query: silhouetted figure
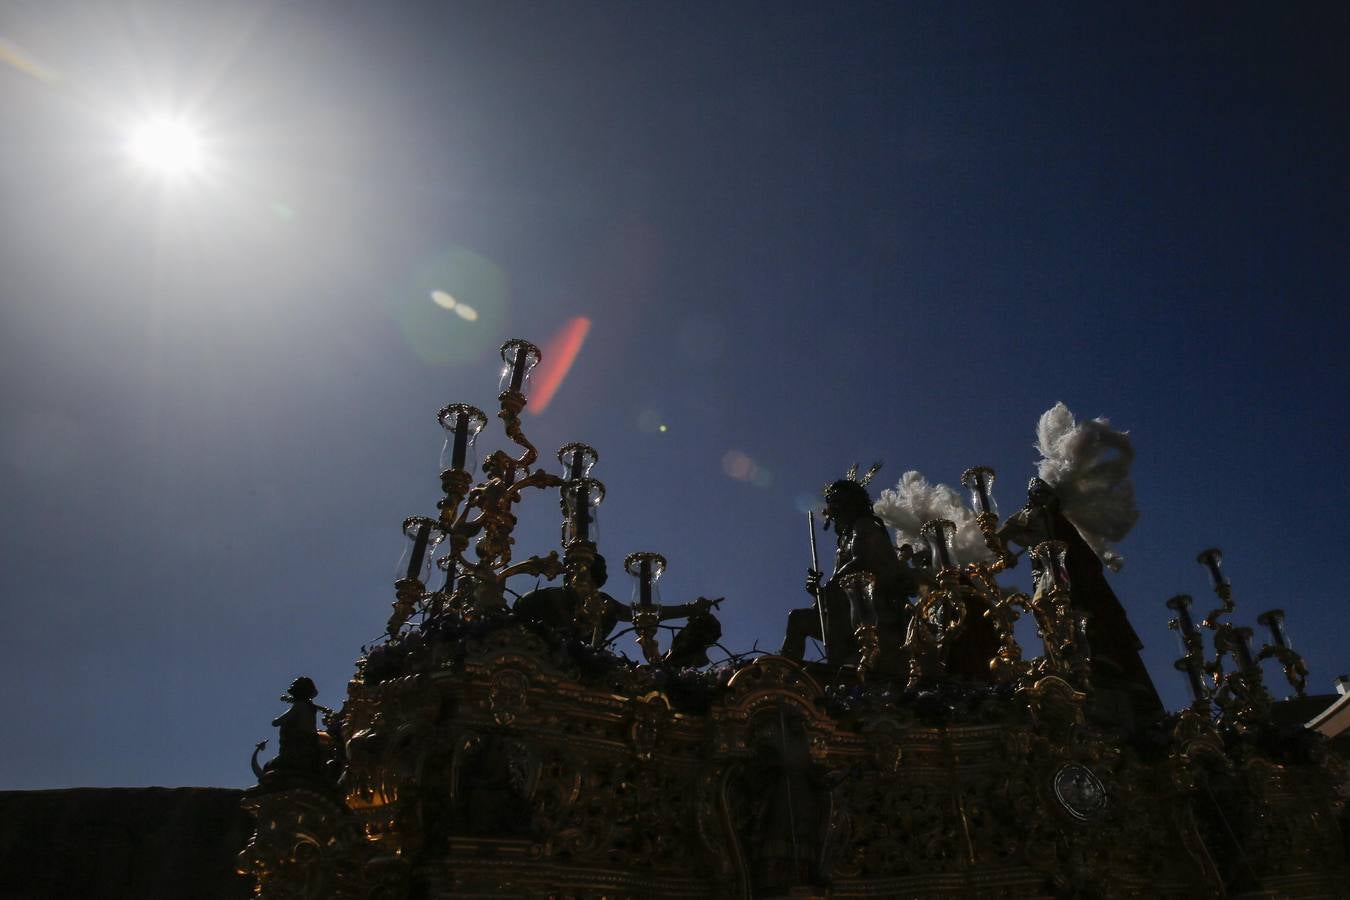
point(1116, 664)
point(556, 608)
point(862, 544)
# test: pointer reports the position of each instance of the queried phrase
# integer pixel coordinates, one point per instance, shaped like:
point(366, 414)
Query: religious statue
point(862, 544)
point(556, 608)
point(301, 746)
point(1116, 666)
point(689, 647)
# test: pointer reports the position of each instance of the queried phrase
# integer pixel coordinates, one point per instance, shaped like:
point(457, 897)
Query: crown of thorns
point(851, 482)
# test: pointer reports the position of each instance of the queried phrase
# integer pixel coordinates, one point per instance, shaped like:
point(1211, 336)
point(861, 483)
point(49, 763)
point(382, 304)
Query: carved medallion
point(508, 695)
point(1079, 791)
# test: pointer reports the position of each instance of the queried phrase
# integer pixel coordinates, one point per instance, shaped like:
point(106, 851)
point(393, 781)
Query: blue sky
point(810, 234)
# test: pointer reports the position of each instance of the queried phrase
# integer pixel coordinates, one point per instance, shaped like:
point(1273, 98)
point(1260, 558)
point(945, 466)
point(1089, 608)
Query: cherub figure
point(300, 746)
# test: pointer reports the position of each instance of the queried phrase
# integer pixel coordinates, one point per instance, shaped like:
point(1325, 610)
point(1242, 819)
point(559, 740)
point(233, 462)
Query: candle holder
point(980, 481)
point(1212, 560)
point(440, 600)
point(1240, 695)
point(1192, 662)
point(462, 423)
point(519, 357)
point(1051, 604)
point(1190, 666)
point(1295, 668)
point(414, 566)
point(860, 588)
point(1002, 612)
point(578, 557)
point(518, 360)
point(580, 499)
point(939, 533)
point(647, 568)
point(1184, 623)
point(577, 460)
point(485, 511)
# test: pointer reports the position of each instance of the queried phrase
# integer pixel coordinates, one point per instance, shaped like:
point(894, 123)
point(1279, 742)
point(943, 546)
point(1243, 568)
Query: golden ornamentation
point(499, 760)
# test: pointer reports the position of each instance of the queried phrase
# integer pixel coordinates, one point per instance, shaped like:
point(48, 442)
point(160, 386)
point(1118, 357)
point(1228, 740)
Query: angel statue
point(1083, 496)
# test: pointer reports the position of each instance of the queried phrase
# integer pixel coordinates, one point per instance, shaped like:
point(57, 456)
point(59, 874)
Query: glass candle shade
point(980, 481)
point(1274, 620)
point(1052, 557)
point(1242, 647)
point(423, 535)
point(577, 460)
point(580, 499)
point(1190, 667)
point(860, 588)
point(1212, 560)
point(940, 533)
point(647, 568)
point(1181, 605)
point(518, 360)
point(462, 424)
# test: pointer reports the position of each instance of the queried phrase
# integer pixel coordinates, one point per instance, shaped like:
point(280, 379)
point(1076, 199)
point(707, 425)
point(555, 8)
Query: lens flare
point(560, 351)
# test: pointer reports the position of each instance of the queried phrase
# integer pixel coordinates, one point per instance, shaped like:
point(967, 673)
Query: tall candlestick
point(518, 358)
point(518, 369)
point(579, 499)
point(1191, 668)
point(1212, 560)
point(583, 511)
point(980, 481)
point(939, 533)
point(1181, 605)
point(645, 582)
point(461, 447)
point(419, 551)
point(462, 424)
point(1242, 647)
point(1274, 620)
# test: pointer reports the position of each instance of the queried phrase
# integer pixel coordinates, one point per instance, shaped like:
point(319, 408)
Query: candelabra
point(581, 494)
point(1295, 669)
point(481, 516)
point(940, 615)
point(647, 568)
point(1240, 693)
point(413, 568)
point(980, 481)
point(1192, 662)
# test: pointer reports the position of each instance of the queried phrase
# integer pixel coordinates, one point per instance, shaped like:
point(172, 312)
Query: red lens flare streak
point(559, 352)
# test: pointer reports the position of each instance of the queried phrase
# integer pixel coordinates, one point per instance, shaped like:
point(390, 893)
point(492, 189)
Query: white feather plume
point(1088, 465)
point(914, 501)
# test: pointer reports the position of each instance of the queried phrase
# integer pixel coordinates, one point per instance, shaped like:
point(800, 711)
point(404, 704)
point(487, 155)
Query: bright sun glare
point(167, 146)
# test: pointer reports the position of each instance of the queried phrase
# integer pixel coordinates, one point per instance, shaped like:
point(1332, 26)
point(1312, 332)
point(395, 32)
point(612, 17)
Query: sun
point(168, 147)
